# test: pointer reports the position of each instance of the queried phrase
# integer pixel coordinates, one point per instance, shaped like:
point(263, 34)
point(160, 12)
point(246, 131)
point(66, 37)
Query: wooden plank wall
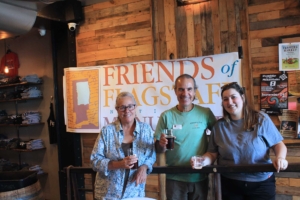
point(114, 32)
point(287, 184)
point(269, 20)
point(212, 27)
point(121, 31)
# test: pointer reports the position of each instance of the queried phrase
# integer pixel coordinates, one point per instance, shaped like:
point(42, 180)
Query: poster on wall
point(289, 123)
point(273, 93)
point(289, 54)
point(81, 92)
point(90, 92)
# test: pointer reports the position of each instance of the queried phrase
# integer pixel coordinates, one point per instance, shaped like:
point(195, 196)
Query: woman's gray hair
point(124, 94)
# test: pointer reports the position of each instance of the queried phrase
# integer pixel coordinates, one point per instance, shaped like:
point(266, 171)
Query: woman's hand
point(280, 163)
point(192, 161)
point(127, 162)
point(197, 162)
point(280, 150)
point(207, 159)
point(140, 175)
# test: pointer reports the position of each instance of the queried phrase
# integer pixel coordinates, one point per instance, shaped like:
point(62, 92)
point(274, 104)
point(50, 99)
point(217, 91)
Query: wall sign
point(90, 92)
point(274, 93)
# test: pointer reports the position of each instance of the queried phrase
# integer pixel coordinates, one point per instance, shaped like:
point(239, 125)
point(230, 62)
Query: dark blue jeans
point(244, 190)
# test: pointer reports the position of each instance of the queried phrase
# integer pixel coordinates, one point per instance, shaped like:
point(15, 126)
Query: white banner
point(90, 92)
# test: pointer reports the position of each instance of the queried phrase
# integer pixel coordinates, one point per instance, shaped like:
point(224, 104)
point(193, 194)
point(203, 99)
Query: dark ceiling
point(17, 17)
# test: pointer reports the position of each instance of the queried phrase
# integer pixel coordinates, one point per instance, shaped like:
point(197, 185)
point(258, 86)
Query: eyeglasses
point(123, 108)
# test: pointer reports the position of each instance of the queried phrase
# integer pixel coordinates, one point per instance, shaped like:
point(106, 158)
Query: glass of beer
point(131, 153)
point(170, 137)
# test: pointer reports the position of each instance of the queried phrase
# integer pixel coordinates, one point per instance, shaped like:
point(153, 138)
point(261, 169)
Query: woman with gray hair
point(116, 178)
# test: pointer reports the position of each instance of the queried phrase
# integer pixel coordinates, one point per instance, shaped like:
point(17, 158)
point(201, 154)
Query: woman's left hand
point(280, 163)
point(140, 175)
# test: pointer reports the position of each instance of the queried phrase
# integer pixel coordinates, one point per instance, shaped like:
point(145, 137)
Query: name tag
point(177, 126)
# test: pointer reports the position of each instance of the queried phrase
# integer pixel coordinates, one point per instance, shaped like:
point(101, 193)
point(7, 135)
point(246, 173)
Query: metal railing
point(73, 189)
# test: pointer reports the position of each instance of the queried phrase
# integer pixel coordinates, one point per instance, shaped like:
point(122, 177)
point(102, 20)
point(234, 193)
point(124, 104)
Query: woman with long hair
point(244, 136)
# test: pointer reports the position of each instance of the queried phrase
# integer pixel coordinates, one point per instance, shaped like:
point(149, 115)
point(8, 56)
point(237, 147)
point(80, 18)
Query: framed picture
point(289, 53)
point(289, 123)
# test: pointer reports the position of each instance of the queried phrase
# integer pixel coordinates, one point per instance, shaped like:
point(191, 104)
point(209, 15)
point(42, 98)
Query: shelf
point(23, 125)
point(23, 150)
point(18, 84)
point(292, 142)
point(38, 175)
point(20, 99)
point(8, 88)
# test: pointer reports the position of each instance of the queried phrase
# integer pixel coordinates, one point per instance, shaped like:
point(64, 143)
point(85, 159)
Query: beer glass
point(130, 153)
point(170, 137)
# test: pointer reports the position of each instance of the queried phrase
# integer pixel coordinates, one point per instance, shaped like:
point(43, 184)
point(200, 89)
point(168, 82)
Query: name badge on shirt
point(177, 126)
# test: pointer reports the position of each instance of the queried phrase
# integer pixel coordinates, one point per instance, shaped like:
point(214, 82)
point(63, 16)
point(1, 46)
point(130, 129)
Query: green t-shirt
point(189, 130)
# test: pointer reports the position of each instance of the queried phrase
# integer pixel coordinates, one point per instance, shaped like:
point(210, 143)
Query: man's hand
point(163, 141)
point(160, 145)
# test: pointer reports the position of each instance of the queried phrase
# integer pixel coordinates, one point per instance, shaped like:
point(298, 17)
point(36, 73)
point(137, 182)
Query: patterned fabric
point(108, 147)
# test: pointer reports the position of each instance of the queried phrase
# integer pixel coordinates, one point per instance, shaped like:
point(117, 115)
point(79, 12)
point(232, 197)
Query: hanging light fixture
point(6, 69)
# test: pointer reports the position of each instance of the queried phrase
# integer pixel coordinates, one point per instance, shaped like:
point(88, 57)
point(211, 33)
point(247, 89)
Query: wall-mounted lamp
point(6, 70)
point(186, 2)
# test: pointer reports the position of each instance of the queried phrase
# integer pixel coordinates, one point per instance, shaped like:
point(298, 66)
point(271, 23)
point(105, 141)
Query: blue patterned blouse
point(109, 183)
